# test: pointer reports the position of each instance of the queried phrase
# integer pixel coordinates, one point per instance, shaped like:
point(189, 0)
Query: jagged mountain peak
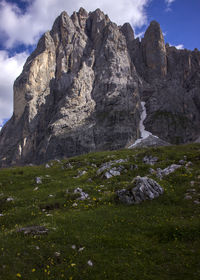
point(81, 90)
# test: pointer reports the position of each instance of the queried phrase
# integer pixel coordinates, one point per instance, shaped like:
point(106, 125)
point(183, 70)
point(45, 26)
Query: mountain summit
point(82, 87)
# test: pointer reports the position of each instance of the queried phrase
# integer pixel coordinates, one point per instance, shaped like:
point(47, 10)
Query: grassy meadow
point(100, 238)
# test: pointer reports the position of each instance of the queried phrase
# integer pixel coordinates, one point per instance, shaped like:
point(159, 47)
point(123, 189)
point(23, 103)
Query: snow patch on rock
point(143, 132)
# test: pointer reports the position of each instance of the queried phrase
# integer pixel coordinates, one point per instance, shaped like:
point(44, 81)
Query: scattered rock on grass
point(144, 188)
point(34, 230)
point(152, 171)
point(188, 164)
point(108, 165)
point(90, 263)
point(81, 249)
point(104, 167)
point(188, 196)
point(150, 160)
point(115, 171)
point(82, 194)
point(168, 170)
point(81, 173)
point(69, 166)
point(38, 180)
point(196, 201)
point(10, 199)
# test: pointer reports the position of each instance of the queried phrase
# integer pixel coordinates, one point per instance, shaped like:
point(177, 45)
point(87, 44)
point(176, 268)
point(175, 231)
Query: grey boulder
point(144, 189)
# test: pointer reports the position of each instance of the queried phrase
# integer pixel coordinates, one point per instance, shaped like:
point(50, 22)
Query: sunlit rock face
point(81, 90)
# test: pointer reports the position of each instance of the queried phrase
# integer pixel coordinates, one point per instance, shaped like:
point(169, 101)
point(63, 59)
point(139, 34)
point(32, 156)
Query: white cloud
point(39, 16)
point(180, 47)
point(169, 2)
point(10, 68)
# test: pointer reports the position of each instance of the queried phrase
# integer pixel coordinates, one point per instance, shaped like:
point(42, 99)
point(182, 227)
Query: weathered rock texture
point(143, 188)
point(81, 90)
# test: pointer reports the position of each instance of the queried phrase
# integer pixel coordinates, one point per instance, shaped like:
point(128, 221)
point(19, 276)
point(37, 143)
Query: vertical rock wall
point(82, 87)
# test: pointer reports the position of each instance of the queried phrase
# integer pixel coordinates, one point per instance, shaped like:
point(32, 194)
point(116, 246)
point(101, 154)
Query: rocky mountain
point(82, 87)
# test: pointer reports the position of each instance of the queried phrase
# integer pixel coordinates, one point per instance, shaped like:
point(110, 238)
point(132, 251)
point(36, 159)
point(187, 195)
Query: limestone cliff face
point(154, 52)
point(82, 87)
point(78, 92)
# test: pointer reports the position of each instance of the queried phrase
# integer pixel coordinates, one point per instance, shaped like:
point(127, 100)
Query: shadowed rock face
point(81, 90)
point(154, 52)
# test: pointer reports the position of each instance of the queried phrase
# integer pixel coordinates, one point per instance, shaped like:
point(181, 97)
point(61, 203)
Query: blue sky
point(23, 21)
point(180, 21)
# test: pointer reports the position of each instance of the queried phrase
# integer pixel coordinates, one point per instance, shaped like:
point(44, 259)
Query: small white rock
point(81, 249)
point(196, 201)
point(188, 197)
point(38, 180)
point(57, 254)
point(189, 163)
point(90, 263)
point(37, 247)
point(74, 247)
point(9, 199)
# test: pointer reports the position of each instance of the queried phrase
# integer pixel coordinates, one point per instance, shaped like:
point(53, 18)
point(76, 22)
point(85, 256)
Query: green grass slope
point(99, 238)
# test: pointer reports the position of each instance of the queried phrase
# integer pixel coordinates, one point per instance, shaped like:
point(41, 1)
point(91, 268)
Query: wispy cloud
point(10, 68)
point(168, 3)
point(180, 47)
